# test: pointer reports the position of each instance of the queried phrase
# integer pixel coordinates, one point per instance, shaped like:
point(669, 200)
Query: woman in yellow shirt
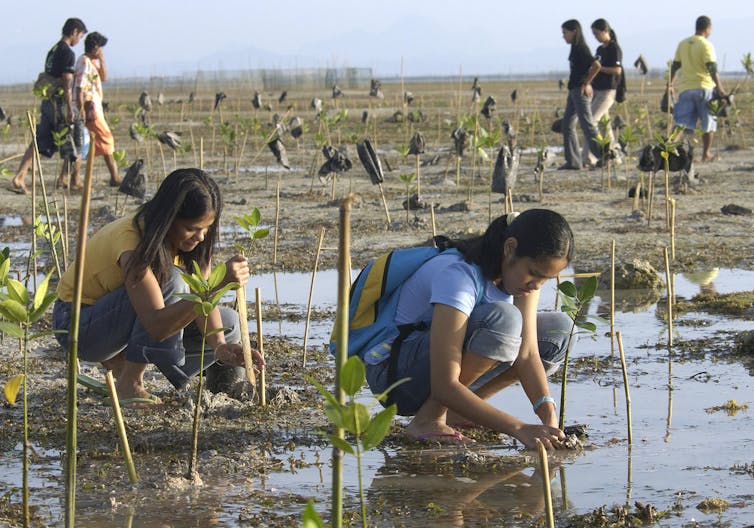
point(130, 316)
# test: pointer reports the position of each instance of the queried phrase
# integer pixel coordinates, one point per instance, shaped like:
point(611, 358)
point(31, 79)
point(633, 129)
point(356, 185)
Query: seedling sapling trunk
point(574, 303)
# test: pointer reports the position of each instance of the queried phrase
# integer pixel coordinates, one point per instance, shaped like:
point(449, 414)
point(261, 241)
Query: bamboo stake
point(311, 294)
point(201, 153)
point(550, 517)
point(243, 319)
point(73, 345)
point(162, 155)
point(668, 281)
point(341, 336)
point(275, 255)
point(11, 158)
point(625, 386)
point(432, 218)
point(260, 347)
point(118, 416)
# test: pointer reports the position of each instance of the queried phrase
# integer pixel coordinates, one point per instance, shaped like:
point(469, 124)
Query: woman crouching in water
point(130, 315)
point(484, 333)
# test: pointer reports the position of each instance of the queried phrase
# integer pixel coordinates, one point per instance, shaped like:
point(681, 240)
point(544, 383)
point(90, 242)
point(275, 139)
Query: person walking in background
point(695, 60)
point(578, 103)
point(604, 76)
point(57, 109)
point(90, 72)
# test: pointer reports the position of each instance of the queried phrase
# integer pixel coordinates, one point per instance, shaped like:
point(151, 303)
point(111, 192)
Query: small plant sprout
point(353, 417)
point(603, 141)
point(408, 181)
point(668, 145)
point(120, 158)
point(20, 311)
point(574, 303)
point(250, 223)
point(206, 295)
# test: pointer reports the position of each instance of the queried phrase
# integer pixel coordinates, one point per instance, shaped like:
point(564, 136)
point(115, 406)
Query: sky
point(477, 37)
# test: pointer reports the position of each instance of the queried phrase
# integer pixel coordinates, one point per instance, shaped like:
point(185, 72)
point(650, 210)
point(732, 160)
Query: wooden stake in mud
point(260, 347)
point(625, 386)
point(544, 468)
point(432, 217)
point(341, 337)
point(669, 282)
point(311, 294)
point(73, 345)
point(121, 428)
point(243, 318)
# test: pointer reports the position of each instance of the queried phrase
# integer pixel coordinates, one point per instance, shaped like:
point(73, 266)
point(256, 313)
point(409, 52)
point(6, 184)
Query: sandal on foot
point(140, 403)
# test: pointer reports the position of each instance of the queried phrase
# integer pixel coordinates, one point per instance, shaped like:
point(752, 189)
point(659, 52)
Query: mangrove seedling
point(408, 181)
point(250, 223)
point(205, 294)
point(353, 417)
point(575, 301)
point(20, 311)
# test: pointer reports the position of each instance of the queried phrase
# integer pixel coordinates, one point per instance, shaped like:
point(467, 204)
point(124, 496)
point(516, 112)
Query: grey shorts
point(493, 331)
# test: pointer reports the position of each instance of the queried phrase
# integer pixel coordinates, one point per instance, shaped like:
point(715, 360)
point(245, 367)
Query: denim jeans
point(110, 326)
point(692, 107)
point(493, 331)
point(579, 107)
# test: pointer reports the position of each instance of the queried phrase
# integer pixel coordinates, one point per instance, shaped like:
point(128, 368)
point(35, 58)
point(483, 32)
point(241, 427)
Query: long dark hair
point(185, 194)
point(573, 25)
point(540, 233)
point(602, 25)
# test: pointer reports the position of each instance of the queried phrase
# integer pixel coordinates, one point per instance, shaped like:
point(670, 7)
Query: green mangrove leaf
point(341, 444)
point(255, 217)
point(378, 427)
point(355, 418)
point(352, 376)
point(215, 331)
point(207, 307)
point(586, 325)
point(587, 290)
point(261, 233)
point(193, 282)
point(17, 291)
point(336, 414)
point(568, 288)
point(13, 330)
point(13, 311)
point(11, 388)
point(311, 518)
point(191, 297)
point(216, 276)
point(41, 293)
point(40, 310)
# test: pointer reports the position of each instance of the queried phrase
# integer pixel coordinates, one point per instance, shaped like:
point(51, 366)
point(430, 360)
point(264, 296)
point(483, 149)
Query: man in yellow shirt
point(695, 58)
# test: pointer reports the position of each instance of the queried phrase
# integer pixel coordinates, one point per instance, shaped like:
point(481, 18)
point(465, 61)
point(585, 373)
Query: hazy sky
point(432, 36)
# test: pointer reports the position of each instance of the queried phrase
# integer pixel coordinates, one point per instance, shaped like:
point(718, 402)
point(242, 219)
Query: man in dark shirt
point(56, 110)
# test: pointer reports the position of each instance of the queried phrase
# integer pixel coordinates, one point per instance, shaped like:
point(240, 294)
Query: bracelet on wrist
point(544, 399)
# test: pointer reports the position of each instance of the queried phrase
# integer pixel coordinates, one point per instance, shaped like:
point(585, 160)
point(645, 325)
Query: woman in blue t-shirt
point(604, 76)
point(578, 104)
point(484, 332)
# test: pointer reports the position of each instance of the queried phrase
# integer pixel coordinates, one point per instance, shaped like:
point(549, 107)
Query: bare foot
point(128, 389)
point(709, 158)
point(435, 432)
point(115, 183)
point(18, 189)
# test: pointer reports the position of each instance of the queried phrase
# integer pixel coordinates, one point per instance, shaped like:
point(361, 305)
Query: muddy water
point(681, 453)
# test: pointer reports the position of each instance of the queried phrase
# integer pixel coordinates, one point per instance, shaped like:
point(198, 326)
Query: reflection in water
point(435, 487)
point(670, 395)
point(703, 279)
point(629, 479)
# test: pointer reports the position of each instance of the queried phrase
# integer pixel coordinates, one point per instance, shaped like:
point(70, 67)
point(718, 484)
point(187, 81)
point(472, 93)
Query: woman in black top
point(578, 104)
point(604, 76)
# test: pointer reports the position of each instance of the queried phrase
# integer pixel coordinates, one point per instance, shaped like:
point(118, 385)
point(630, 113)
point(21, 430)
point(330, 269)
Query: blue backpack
point(372, 332)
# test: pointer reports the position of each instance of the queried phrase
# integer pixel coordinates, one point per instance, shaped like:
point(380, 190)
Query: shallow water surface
point(681, 452)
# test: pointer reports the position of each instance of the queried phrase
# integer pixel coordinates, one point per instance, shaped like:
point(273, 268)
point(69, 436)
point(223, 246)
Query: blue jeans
point(110, 326)
point(493, 331)
point(579, 107)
